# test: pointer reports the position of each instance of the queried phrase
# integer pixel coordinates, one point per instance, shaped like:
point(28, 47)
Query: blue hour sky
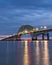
point(14, 13)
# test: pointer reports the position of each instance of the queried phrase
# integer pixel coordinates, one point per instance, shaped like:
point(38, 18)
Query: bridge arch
point(25, 29)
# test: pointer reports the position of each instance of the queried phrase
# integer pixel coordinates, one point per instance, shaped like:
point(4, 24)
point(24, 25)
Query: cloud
point(11, 19)
point(26, 16)
point(29, 4)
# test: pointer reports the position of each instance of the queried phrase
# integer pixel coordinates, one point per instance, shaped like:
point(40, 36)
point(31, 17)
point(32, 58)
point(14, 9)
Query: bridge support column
point(42, 36)
point(18, 38)
point(47, 36)
point(34, 38)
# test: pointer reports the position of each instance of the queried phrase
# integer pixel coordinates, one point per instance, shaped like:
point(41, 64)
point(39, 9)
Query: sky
point(14, 13)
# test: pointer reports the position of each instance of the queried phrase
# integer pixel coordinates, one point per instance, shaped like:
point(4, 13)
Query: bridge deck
point(13, 37)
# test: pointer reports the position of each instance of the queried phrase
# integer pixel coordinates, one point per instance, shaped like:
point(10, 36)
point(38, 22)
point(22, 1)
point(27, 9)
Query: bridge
point(28, 29)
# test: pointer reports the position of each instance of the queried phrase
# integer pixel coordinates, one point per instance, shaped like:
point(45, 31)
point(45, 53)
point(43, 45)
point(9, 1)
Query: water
point(26, 52)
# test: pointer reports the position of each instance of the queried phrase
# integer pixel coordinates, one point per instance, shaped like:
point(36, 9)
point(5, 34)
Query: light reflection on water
point(25, 52)
point(37, 53)
point(26, 56)
point(46, 54)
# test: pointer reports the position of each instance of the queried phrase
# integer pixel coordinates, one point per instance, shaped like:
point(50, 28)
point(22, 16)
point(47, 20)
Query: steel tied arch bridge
point(28, 29)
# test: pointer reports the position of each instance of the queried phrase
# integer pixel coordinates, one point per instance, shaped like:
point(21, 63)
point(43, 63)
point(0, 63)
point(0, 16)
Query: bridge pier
point(47, 34)
point(42, 36)
point(34, 37)
point(18, 37)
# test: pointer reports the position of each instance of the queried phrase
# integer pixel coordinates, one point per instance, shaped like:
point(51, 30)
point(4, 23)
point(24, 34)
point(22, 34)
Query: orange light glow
point(37, 53)
point(26, 57)
point(46, 54)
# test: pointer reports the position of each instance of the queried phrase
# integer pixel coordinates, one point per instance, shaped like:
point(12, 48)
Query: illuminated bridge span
point(34, 32)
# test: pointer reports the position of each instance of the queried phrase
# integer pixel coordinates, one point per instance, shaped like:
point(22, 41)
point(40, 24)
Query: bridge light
point(41, 27)
point(36, 28)
point(45, 27)
point(33, 29)
point(18, 34)
point(26, 31)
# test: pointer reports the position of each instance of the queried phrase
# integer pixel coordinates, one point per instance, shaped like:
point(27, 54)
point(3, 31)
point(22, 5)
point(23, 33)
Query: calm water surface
point(26, 52)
